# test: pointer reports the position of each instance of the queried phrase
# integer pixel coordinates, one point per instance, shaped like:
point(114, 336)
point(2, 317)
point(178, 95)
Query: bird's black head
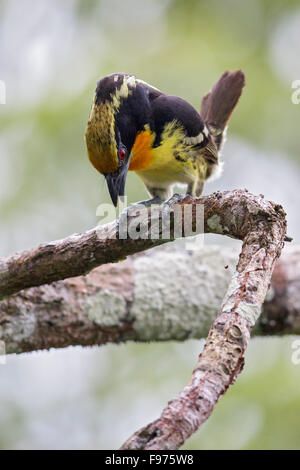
point(120, 110)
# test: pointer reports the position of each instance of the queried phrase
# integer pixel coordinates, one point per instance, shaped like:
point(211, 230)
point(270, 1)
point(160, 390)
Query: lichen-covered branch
point(222, 358)
point(262, 227)
point(137, 299)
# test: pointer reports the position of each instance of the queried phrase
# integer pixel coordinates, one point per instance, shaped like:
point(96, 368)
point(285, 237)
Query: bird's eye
point(122, 154)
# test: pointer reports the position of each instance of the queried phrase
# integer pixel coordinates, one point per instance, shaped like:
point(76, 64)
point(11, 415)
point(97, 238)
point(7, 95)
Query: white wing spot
point(194, 140)
point(131, 81)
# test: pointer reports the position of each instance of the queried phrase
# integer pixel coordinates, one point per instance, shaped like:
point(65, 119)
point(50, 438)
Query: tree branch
point(224, 213)
point(222, 358)
point(137, 299)
point(259, 223)
point(262, 227)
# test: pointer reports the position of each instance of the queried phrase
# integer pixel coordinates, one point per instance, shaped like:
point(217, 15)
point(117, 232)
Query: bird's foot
point(168, 205)
point(134, 210)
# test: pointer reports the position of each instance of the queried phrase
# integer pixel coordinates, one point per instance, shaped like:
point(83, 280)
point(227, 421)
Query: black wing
point(167, 108)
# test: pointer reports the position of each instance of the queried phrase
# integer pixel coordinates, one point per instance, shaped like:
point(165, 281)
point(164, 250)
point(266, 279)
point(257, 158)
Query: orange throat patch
point(142, 152)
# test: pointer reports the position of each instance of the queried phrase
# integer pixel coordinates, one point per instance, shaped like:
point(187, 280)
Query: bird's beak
point(116, 183)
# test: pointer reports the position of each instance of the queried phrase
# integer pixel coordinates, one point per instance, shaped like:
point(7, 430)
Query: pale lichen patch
point(178, 297)
point(106, 308)
point(20, 328)
point(233, 286)
point(248, 311)
point(214, 223)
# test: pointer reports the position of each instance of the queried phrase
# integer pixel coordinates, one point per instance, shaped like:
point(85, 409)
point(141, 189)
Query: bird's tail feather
point(218, 105)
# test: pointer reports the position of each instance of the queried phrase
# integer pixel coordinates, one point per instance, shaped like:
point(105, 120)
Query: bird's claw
point(168, 205)
point(136, 209)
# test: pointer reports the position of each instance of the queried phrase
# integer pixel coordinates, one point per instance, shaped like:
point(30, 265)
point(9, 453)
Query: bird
point(133, 126)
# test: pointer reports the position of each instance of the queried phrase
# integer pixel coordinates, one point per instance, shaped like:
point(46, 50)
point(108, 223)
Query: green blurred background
point(51, 55)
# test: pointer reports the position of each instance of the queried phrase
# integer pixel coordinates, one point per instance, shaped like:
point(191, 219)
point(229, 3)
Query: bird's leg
point(156, 200)
point(135, 209)
point(132, 208)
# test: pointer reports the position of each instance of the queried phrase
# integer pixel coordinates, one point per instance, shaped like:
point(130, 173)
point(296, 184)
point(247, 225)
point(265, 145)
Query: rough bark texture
point(117, 302)
point(225, 213)
point(263, 229)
